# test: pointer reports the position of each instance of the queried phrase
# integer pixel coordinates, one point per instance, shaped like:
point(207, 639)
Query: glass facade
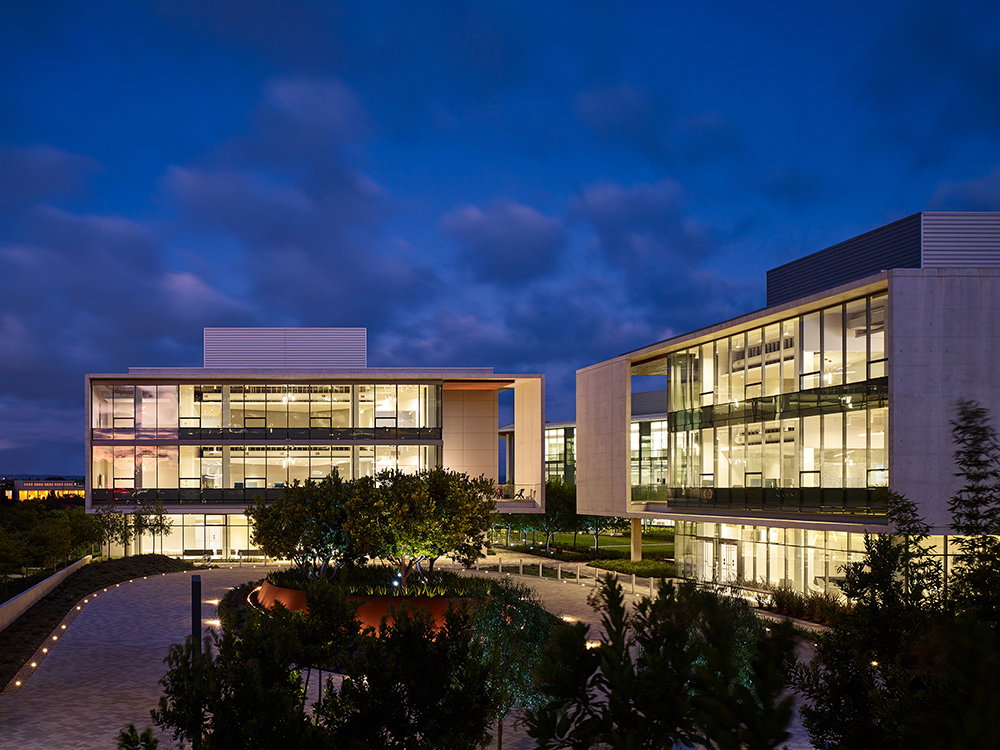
point(226, 442)
point(807, 560)
point(791, 416)
point(560, 453)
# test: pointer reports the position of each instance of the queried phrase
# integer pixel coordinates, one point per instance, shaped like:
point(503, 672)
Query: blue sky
point(530, 186)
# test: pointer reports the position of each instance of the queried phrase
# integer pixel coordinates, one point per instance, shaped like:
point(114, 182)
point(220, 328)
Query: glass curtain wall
point(789, 416)
point(189, 442)
point(560, 453)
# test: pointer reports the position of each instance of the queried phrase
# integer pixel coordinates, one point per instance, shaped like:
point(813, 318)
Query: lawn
point(657, 545)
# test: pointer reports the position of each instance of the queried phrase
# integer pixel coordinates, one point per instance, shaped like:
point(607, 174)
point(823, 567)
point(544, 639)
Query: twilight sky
point(530, 186)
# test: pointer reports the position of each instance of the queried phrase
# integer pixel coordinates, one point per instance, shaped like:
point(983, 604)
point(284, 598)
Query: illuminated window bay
point(212, 442)
point(790, 415)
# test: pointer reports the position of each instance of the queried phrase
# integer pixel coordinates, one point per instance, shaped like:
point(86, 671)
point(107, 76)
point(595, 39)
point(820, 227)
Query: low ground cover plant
point(645, 568)
point(382, 580)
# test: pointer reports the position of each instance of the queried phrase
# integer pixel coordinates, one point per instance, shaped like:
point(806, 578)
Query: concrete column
point(509, 471)
point(636, 539)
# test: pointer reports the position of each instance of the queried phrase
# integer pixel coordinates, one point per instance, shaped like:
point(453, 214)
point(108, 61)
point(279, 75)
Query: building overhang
point(650, 360)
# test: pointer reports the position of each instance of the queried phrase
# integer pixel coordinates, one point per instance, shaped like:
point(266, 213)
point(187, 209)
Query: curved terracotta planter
point(372, 609)
point(293, 599)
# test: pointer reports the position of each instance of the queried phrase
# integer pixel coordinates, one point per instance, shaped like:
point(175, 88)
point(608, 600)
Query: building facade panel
point(603, 417)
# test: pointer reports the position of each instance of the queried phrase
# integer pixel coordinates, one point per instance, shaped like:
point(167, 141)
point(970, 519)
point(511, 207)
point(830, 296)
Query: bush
point(646, 568)
point(382, 580)
point(814, 607)
point(288, 578)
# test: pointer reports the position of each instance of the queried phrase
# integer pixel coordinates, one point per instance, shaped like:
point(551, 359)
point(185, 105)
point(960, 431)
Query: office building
point(783, 426)
point(273, 406)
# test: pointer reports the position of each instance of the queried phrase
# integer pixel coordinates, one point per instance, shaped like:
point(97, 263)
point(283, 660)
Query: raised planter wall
point(372, 609)
point(21, 603)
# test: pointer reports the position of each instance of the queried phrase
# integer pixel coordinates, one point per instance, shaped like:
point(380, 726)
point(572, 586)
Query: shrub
point(647, 568)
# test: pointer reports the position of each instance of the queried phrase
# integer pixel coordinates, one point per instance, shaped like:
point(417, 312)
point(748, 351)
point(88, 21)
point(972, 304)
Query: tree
point(861, 689)
point(116, 527)
point(597, 525)
point(130, 739)
point(307, 524)
point(50, 542)
point(560, 510)
point(975, 509)
point(238, 690)
point(152, 517)
point(461, 515)
point(391, 516)
point(413, 688)
point(689, 667)
point(84, 529)
point(12, 552)
point(513, 627)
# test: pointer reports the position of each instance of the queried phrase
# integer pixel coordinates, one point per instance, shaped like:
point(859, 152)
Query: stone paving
point(103, 672)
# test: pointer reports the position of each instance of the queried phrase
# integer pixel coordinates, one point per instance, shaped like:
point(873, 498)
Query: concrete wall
point(469, 432)
point(21, 603)
point(529, 437)
point(603, 405)
point(944, 343)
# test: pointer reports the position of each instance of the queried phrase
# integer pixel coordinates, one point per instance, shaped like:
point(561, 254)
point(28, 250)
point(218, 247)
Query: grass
point(611, 547)
point(24, 636)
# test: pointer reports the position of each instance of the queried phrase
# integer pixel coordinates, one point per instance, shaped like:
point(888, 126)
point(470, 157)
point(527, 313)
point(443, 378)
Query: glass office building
point(785, 426)
point(277, 406)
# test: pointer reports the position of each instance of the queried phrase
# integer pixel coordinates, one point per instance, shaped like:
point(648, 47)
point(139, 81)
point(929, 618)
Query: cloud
point(39, 173)
point(508, 243)
point(643, 227)
point(976, 194)
point(40, 436)
point(92, 294)
point(931, 77)
point(301, 116)
point(795, 189)
point(307, 223)
point(627, 115)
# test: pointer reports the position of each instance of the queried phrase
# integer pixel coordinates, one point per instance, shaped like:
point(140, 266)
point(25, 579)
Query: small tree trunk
point(499, 733)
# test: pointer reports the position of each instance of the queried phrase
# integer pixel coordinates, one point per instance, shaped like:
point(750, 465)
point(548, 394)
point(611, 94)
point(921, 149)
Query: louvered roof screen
point(286, 348)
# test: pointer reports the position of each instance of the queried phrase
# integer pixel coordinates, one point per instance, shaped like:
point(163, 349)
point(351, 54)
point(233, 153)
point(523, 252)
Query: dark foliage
point(688, 667)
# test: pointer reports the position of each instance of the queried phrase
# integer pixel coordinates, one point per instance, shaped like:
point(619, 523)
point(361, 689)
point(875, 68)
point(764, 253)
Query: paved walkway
point(103, 673)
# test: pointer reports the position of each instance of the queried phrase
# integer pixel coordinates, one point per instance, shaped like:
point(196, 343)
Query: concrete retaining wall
point(17, 606)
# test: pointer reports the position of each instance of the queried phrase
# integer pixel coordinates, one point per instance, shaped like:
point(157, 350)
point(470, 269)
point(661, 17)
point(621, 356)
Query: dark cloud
point(302, 117)
point(40, 173)
point(932, 76)
point(644, 227)
point(795, 189)
point(507, 243)
point(976, 194)
point(628, 115)
point(90, 293)
point(308, 223)
point(47, 429)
